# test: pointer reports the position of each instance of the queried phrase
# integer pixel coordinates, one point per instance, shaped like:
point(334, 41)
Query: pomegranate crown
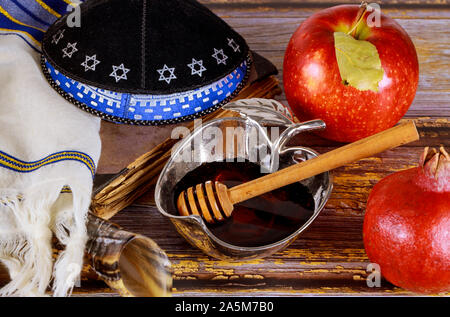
point(436, 164)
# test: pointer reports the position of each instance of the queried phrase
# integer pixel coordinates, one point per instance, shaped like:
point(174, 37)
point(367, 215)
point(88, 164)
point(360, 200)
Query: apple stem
point(359, 18)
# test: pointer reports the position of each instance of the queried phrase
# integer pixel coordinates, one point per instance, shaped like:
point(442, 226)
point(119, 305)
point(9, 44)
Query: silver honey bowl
point(263, 128)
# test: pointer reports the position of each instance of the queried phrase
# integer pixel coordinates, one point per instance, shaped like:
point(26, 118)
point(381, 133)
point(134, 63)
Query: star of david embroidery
point(123, 74)
point(197, 71)
point(233, 45)
point(58, 36)
point(70, 49)
point(220, 57)
point(90, 66)
point(163, 71)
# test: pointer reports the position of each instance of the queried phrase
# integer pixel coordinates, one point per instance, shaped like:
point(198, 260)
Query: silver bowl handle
point(289, 133)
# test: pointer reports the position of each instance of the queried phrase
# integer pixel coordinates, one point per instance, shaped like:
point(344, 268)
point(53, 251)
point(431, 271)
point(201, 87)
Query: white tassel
point(27, 250)
point(70, 229)
point(31, 246)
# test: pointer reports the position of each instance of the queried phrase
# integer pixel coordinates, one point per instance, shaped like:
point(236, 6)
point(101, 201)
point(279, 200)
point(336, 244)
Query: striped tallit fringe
point(29, 221)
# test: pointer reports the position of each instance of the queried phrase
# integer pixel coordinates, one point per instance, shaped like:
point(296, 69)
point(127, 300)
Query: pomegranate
point(407, 225)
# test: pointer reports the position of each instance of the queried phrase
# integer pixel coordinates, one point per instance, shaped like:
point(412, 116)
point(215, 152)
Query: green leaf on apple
point(358, 61)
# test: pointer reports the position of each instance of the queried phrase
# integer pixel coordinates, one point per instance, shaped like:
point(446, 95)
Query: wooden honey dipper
point(214, 201)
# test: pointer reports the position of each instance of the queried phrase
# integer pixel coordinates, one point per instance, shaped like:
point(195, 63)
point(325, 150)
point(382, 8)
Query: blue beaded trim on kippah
point(132, 108)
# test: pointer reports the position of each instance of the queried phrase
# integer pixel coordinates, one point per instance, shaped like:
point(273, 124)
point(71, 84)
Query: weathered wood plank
point(432, 131)
point(305, 12)
point(328, 258)
point(318, 3)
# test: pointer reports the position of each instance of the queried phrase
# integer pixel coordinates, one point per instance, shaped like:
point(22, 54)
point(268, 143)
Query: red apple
point(315, 89)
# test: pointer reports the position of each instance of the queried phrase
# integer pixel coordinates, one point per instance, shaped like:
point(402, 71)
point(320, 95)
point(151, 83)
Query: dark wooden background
point(329, 258)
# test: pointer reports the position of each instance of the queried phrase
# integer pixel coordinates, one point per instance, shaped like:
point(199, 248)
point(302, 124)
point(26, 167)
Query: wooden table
point(329, 258)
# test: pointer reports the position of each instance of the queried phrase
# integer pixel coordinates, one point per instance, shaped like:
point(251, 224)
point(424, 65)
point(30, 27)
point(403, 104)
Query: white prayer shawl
point(36, 123)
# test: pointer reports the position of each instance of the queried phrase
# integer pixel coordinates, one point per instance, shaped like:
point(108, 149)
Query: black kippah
point(167, 60)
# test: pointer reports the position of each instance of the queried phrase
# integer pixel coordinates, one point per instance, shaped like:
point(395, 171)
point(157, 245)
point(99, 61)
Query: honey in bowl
point(259, 221)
